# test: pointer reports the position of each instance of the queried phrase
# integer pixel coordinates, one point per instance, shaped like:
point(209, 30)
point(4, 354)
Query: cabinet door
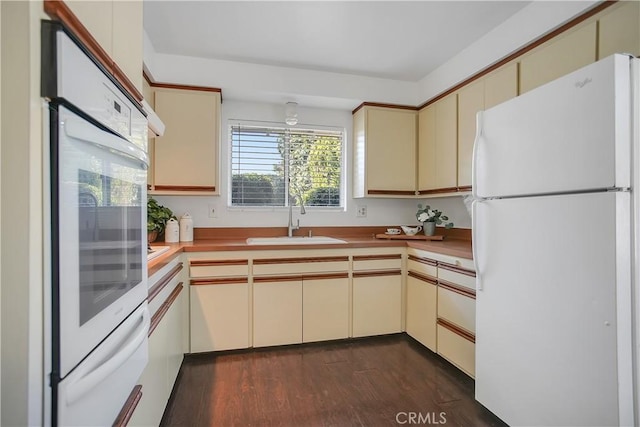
point(458, 349)
point(277, 312)
point(500, 86)
point(390, 149)
point(186, 156)
point(427, 162)
point(154, 381)
point(377, 304)
point(175, 352)
point(561, 56)
point(438, 145)
point(219, 317)
point(127, 39)
point(470, 101)
point(421, 310)
point(325, 309)
point(619, 30)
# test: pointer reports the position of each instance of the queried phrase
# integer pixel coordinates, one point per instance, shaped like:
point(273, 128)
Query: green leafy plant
point(157, 216)
point(427, 214)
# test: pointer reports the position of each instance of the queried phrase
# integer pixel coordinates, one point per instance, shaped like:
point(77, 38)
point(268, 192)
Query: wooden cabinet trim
point(211, 262)
point(324, 276)
point(58, 10)
point(183, 188)
point(457, 330)
point(271, 279)
point(179, 86)
point(129, 407)
point(457, 269)
point(376, 257)
point(423, 277)
point(465, 188)
point(164, 281)
point(457, 288)
point(376, 104)
point(421, 260)
point(164, 308)
point(532, 45)
point(358, 274)
point(392, 192)
point(221, 281)
point(303, 276)
point(266, 261)
point(439, 190)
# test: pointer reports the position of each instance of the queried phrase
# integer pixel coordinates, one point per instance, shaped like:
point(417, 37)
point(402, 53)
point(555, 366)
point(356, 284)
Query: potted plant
point(430, 218)
point(157, 217)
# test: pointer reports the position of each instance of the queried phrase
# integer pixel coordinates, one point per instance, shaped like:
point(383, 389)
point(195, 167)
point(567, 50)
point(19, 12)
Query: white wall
point(379, 211)
point(21, 218)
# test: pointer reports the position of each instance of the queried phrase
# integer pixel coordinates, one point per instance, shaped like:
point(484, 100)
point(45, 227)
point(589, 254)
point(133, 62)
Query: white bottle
point(172, 231)
point(186, 228)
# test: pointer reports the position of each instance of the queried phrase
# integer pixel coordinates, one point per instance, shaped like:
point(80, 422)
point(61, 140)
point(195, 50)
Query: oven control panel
point(118, 113)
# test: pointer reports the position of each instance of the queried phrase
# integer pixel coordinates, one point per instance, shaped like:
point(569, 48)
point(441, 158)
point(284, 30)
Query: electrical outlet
point(361, 211)
point(213, 211)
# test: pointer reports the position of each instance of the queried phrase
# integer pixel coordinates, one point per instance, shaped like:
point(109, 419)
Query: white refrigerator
point(555, 251)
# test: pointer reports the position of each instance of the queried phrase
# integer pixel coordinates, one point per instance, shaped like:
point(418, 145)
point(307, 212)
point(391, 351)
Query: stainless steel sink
point(297, 240)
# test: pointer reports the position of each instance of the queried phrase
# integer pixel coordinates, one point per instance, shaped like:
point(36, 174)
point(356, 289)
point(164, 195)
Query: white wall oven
point(99, 317)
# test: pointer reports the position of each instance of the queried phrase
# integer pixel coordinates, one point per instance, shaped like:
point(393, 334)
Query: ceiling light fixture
point(291, 113)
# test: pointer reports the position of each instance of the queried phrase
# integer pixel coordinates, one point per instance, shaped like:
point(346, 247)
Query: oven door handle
point(87, 132)
point(95, 376)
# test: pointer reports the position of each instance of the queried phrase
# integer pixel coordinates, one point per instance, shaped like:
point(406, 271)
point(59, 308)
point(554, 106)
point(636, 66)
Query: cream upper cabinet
point(619, 30)
point(496, 87)
point(127, 39)
point(185, 158)
point(470, 101)
point(560, 56)
point(437, 146)
point(117, 27)
point(384, 151)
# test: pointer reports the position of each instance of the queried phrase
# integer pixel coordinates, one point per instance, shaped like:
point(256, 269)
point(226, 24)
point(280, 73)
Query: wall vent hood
point(155, 124)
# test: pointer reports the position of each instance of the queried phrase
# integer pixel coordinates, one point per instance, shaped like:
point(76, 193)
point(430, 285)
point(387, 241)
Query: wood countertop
point(449, 246)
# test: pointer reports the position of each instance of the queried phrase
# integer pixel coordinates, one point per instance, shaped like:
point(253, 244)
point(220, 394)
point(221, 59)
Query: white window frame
point(280, 125)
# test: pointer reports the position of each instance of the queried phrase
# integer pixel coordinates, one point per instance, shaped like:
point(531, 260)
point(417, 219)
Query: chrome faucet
point(302, 212)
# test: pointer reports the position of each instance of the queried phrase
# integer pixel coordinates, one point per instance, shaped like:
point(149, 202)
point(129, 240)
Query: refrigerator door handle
point(474, 240)
point(476, 144)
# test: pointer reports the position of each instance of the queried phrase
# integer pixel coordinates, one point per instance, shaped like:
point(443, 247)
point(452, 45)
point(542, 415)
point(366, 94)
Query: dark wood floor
point(367, 382)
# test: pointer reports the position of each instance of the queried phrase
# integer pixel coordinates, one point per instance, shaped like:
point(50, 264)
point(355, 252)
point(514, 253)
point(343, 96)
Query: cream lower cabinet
point(220, 303)
point(377, 303)
point(277, 311)
point(166, 344)
point(457, 316)
point(422, 291)
point(325, 307)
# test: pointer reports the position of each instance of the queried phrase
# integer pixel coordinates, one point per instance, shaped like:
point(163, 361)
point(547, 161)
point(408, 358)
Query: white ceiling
point(387, 39)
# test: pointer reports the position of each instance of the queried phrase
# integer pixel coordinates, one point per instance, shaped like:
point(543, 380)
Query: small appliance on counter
point(172, 231)
point(186, 228)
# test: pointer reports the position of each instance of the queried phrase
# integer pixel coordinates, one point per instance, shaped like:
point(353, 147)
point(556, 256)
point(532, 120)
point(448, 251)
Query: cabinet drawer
point(218, 268)
point(457, 276)
point(288, 266)
point(377, 262)
point(457, 349)
point(424, 266)
point(457, 307)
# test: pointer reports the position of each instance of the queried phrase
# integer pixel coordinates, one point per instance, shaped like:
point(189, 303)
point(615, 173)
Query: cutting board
point(405, 237)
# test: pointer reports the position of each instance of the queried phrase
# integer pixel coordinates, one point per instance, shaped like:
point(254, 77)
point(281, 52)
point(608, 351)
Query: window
point(269, 163)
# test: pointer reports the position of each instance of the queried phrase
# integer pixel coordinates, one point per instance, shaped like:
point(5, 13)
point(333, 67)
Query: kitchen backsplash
point(379, 212)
